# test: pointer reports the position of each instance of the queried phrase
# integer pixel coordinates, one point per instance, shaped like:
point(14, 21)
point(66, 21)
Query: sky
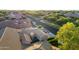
point(39, 4)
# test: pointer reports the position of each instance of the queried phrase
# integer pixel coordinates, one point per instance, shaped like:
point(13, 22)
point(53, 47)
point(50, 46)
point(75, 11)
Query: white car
point(42, 21)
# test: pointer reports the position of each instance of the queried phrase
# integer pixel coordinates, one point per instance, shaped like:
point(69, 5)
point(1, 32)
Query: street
point(37, 22)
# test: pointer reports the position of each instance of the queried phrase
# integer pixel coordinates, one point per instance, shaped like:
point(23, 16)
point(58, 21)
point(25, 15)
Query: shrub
point(62, 20)
point(68, 36)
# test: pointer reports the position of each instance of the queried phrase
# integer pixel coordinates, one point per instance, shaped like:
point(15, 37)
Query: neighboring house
point(72, 15)
point(18, 24)
point(14, 14)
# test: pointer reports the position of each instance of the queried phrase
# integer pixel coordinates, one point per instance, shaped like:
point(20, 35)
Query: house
point(25, 38)
point(41, 45)
point(18, 24)
point(9, 40)
point(72, 15)
point(35, 32)
point(15, 15)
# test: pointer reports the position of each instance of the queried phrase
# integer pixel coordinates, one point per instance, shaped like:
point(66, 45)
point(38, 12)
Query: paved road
point(50, 28)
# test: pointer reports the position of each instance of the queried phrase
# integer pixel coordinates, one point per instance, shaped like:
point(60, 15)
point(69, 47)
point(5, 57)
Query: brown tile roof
point(10, 40)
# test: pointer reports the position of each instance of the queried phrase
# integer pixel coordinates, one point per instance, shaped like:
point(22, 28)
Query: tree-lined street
point(45, 25)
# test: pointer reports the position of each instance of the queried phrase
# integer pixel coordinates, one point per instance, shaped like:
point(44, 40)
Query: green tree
point(62, 20)
point(77, 22)
point(68, 36)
